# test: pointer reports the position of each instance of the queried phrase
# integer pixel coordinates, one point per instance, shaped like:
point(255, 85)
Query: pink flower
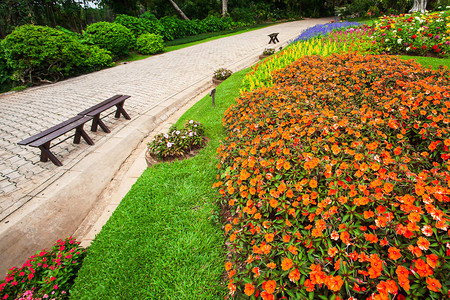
point(55, 287)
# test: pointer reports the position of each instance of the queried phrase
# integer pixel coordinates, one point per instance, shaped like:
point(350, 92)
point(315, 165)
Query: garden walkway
point(40, 202)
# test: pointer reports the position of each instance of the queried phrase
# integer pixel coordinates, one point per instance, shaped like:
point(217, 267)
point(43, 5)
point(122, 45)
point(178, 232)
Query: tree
point(419, 5)
point(224, 7)
point(179, 10)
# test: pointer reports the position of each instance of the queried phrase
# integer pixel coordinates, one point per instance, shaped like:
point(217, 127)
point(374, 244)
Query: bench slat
point(85, 112)
point(64, 129)
point(48, 131)
point(107, 105)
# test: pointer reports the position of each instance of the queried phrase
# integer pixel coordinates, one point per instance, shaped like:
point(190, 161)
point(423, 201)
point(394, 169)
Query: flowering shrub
point(324, 29)
point(417, 34)
point(336, 179)
point(177, 142)
point(348, 40)
point(46, 274)
point(222, 73)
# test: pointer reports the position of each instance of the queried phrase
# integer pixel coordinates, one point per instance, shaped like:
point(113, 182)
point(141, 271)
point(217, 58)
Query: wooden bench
point(274, 38)
point(96, 110)
point(42, 140)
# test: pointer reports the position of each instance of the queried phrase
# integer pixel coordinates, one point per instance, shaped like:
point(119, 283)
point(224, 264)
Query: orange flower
point(388, 187)
point(271, 265)
point(267, 296)
point(345, 237)
point(269, 237)
point(359, 156)
point(334, 283)
point(394, 253)
point(286, 264)
point(269, 286)
point(249, 289)
point(228, 227)
point(432, 260)
point(372, 146)
point(433, 284)
point(313, 183)
point(332, 251)
point(423, 243)
point(273, 203)
point(294, 275)
point(228, 266)
point(309, 285)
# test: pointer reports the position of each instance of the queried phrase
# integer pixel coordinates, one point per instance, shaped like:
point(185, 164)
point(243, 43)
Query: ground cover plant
point(164, 240)
point(413, 34)
point(324, 29)
point(47, 274)
point(336, 179)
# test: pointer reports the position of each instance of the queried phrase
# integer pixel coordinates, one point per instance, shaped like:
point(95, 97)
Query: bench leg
point(98, 122)
point(46, 154)
point(122, 111)
point(79, 132)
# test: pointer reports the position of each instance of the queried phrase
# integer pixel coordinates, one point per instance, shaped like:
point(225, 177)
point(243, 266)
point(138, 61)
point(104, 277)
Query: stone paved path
point(149, 82)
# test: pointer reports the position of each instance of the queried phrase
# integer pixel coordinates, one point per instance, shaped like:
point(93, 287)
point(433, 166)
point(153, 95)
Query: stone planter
point(217, 81)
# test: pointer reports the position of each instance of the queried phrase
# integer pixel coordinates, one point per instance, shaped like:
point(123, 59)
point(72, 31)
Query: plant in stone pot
point(176, 143)
point(267, 52)
point(220, 75)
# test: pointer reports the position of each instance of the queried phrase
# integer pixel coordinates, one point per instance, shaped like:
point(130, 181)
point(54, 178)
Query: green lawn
point(164, 240)
point(431, 62)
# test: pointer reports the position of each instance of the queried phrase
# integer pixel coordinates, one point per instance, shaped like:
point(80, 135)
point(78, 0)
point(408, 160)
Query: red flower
point(414, 36)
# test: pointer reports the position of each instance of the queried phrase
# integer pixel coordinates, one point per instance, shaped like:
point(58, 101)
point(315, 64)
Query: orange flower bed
point(337, 180)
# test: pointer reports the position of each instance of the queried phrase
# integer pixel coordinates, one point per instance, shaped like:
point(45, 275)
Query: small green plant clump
point(113, 37)
point(177, 142)
point(46, 274)
point(222, 73)
point(149, 43)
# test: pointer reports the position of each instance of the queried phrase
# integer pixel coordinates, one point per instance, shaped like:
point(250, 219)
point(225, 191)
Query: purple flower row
point(323, 29)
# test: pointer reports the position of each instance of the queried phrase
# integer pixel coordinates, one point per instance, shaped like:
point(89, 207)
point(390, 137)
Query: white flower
point(177, 132)
point(408, 48)
point(191, 121)
point(399, 41)
point(169, 144)
point(190, 133)
point(166, 135)
point(183, 137)
point(386, 40)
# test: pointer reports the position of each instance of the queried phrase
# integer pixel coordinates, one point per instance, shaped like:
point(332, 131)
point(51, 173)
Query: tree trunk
point(224, 8)
point(179, 10)
point(419, 5)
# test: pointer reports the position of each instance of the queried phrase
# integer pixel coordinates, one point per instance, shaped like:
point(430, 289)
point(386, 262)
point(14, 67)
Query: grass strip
point(164, 240)
point(429, 62)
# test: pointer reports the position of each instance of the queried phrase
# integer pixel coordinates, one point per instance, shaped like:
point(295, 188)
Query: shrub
point(113, 37)
point(177, 142)
point(222, 73)
point(173, 28)
point(5, 72)
point(39, 53)
point(336, 179)
point(149, 43)
point(139, 26)
point(47, 274)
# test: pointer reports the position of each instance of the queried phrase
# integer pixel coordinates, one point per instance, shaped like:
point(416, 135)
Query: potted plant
point(176, 144)
point(267, 52)
point(220, 75)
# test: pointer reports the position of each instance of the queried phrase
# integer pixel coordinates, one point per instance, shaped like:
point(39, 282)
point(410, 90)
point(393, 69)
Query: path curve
point(39, 202)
